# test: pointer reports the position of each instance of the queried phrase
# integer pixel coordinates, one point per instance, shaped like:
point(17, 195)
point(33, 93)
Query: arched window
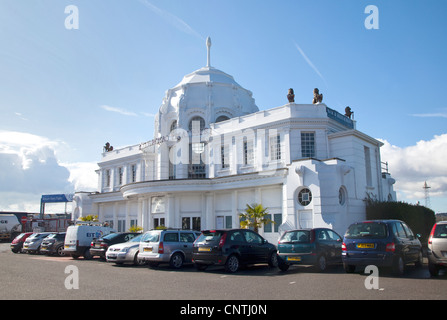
point(173, 126)
point(221, 118)
point(199, 120)
point(342, 196)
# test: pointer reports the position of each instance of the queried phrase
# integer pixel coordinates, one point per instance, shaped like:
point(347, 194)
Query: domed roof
point(208, 74)
point(208, 93)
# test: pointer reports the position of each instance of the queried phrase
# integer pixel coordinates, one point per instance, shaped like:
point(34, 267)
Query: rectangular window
point(107, 178)
point(248, 152)
point(225, 156)
point(120, 176)
point(187, 221)
point(121, 225)
point(275, 147)
point(277, 219)
point(368, 166)
point(158, 222)
point(134, 173)
point(308, 144)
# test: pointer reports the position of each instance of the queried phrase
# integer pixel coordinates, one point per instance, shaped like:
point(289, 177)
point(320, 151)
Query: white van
point(80, 236)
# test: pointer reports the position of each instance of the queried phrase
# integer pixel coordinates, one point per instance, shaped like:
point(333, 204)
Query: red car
point(17, 243)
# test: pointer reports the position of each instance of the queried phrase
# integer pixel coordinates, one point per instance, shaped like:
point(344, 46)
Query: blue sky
point(64, 93)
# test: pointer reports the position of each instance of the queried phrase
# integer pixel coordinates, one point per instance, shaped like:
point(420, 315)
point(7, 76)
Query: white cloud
point(119, 110)
point(309, 62)
point(413, 165)
point(29, 167)
point(83, 175)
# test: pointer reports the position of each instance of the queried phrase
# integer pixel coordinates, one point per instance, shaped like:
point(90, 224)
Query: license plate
point(204, 249)
point(365, 245)
point(44, 248)
point(66, 246)
point(147, 249)
point(293, 258)
point(97, 246)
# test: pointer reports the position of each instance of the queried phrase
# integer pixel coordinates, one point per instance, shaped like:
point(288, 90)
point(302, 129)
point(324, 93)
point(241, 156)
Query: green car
point(318, 247)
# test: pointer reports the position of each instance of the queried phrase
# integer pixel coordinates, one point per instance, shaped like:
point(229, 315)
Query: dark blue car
point(318, 247)
point(383, 243)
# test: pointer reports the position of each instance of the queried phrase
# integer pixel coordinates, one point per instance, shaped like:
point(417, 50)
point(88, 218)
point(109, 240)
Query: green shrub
point(419, 218)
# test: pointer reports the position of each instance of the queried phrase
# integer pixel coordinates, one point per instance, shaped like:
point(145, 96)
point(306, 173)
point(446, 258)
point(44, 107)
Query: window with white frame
point(225, 156)
point(248, 152)
point(133, 170)
point(308, 144)
point(275, 147)
point(108, 178)
point(120, 175)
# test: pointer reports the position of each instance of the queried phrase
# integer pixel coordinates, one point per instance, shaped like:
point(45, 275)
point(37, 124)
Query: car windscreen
point(136, 239)
point(302, 236)
point(440, 231)
point(111, 236)
point(151, 237)
point(210, 236)
point(376, 230)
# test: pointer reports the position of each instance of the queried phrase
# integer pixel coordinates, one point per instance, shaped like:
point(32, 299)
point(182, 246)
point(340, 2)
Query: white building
point(213, 152)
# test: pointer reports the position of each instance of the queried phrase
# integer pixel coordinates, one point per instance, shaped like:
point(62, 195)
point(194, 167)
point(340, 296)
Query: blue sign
point(51, 198)
point(344, 120)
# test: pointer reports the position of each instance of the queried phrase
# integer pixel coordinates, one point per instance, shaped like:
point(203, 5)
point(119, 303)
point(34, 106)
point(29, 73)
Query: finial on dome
point(208, 47)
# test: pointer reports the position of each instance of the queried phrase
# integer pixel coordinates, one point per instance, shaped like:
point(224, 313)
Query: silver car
point(437, 248)
point(167, 246)
point(126, 252)
point(33, 242)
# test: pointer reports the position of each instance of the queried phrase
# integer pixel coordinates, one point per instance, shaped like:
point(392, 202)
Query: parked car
point(318, 247)
point(437, 248)
point(126, 252)
point(383, 243)
point(167, 246)
point(54, 244)
point(33, 242)
point(100, 245)
point(79, 238)
point(17, 243)
point(232, 248)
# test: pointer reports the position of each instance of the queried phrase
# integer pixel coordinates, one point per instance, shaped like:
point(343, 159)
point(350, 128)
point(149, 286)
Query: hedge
point(419, 218)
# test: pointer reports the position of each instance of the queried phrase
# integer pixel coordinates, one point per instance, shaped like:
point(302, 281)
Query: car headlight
point(124, 249)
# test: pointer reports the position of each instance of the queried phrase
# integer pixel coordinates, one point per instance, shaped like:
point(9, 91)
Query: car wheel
point(348, 268)
point(321, 265)
point(88, 255)
point(419, 261)
point(200, 267)
point(138, 262)
point(283, 266)
point(433, 269)
point(60, 251)
point(273, 260)
point(232, 264)
point(176, 260)
point(398, 266)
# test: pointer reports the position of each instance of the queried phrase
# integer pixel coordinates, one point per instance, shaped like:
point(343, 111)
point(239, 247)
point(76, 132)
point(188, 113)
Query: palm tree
point(254, 216)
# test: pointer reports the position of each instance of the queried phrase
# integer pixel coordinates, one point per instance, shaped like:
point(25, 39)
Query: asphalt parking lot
point(40, 277)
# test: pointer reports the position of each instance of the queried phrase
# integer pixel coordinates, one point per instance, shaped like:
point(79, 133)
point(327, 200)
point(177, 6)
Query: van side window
point(171, 237)
point(187, 237)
